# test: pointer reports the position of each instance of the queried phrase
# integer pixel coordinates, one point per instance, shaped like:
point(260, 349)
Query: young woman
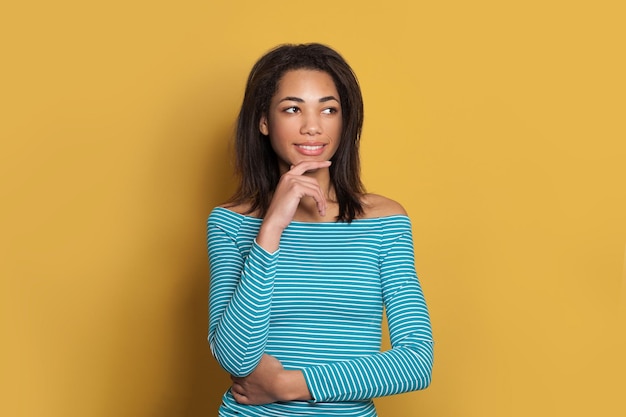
point(303, 261)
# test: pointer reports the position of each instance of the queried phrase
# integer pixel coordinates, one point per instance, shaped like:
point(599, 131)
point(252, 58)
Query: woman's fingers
point(303, 167)
point(313, 190)
point(238, 395)
point(238, 391)
point(310, 188)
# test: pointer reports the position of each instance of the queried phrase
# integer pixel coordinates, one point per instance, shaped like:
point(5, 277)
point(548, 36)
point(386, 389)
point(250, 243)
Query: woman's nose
point(311, 126)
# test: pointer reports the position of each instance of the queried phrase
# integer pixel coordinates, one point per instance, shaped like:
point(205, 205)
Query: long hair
point(256, 162)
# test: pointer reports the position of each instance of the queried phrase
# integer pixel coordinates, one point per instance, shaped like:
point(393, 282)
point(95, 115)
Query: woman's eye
point(330, 110)
point(292, 109)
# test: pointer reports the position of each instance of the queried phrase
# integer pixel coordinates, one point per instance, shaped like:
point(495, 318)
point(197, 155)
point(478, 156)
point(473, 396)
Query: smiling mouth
point(310, 147)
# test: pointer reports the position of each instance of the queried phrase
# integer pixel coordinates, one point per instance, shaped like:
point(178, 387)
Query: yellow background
point(500, 126)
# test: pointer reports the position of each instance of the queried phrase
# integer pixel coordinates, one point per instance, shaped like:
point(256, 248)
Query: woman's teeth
point(311, 148)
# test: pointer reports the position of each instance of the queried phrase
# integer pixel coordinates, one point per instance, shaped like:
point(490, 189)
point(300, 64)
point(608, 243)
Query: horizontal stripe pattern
point(317, 304)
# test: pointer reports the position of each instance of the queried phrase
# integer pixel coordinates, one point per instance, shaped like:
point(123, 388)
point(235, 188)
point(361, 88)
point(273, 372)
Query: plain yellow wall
point(499, 125)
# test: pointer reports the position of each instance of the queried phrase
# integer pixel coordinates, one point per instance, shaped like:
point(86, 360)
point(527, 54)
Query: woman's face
point(304, 118)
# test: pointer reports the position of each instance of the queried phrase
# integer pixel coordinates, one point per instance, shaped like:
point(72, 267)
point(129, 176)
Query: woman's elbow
point(424, 365)
point(235, 364)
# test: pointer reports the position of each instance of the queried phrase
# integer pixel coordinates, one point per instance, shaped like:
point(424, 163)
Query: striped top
point(316, 304)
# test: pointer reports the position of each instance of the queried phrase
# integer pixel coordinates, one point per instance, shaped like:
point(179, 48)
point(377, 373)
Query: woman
point(303, 261)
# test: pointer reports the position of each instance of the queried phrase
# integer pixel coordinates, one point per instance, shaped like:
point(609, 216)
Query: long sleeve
point(240, 296)
point(408, 365)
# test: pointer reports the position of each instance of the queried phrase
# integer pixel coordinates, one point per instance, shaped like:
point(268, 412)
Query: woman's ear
point(263, 127)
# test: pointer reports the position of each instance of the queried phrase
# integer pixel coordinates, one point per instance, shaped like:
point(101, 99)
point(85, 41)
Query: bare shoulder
point(238, 208)
point(375, 205)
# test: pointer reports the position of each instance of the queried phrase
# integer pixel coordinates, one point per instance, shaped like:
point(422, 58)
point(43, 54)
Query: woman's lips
point(309, 149)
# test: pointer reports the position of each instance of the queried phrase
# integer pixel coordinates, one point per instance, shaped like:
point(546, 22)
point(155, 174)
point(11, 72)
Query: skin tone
point(304, 125)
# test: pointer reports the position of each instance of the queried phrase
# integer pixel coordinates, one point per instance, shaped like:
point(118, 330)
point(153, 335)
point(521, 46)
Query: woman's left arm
point(407, 366)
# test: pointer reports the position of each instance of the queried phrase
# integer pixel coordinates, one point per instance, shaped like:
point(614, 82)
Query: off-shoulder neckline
point(366, 219)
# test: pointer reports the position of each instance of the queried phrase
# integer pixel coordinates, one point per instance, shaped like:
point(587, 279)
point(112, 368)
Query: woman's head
point(257, 163)
point(304, 119)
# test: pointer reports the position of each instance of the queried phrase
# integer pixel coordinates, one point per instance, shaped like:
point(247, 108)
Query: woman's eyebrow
point(290, 98)
point(299, 100)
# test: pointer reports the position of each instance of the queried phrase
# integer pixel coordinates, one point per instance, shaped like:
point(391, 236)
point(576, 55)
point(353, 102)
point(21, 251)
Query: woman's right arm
point(239, 299)
point(241, 288)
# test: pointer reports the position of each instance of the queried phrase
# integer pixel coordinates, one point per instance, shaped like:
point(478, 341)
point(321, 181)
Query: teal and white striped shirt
point(316, 304)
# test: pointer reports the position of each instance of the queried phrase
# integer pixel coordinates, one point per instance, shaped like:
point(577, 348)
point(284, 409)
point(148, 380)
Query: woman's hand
point(261, 386)
point(292, 187)
point(268, 383)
